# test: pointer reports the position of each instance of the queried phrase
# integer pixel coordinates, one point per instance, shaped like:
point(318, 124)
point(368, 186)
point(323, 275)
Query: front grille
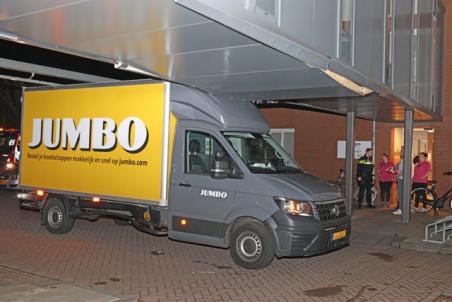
point(330, 210)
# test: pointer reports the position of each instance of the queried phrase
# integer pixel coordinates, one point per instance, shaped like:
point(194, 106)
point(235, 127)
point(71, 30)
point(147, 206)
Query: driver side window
point(200, 150)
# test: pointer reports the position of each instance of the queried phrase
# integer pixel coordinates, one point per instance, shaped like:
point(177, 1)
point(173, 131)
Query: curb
point(425, 247)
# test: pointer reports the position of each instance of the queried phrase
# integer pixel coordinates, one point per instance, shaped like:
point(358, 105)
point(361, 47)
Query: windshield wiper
point(258, 170)
point(289, 170)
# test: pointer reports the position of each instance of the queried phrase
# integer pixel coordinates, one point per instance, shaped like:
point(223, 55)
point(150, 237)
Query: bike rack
point(440, 229)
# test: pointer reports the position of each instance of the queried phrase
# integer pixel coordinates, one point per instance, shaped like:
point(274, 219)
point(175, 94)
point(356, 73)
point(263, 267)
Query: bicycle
point(340, 185)
point(431, 201)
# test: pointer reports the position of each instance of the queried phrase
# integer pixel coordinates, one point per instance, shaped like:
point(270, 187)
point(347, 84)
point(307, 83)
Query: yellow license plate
point(339, 235)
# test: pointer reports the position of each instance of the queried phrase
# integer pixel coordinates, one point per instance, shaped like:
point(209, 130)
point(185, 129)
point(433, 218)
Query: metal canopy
point(165, 39)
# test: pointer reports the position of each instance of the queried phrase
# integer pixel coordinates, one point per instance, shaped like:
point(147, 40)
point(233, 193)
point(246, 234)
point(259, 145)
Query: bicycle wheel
point(374, 195)
point(421, 208)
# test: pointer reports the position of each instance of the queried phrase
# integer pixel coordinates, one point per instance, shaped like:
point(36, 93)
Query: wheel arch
point(263, 218)
point(63, 198)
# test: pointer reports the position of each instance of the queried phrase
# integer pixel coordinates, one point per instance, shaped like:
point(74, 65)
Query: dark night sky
point(10, 91)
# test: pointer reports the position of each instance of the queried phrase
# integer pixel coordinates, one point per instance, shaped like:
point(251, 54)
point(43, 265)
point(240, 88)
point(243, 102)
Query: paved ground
point(125, 263)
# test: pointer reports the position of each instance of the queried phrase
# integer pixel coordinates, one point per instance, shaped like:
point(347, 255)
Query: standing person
point(386, 173)
point(422, 171)
point(364, 178)
point(399, 177)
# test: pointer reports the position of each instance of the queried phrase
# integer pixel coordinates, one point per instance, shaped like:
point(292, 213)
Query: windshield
point(261, 153)
point(7, 141)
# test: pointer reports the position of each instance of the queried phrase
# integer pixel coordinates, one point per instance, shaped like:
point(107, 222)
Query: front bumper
point(9, 177)
point(306, 236)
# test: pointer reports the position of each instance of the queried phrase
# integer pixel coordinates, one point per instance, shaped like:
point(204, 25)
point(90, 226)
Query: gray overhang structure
point(375, 56)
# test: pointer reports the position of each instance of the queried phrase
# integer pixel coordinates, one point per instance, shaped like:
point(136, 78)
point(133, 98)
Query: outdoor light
point(183, 222)
point(294, 207)
point(9, 36)
point(126, 66)
point(347, 83)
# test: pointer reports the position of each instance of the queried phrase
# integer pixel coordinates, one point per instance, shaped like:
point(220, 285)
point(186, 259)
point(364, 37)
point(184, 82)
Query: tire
point(421, 209)
point(374, 195)
point(56, 217)
point(251, 246)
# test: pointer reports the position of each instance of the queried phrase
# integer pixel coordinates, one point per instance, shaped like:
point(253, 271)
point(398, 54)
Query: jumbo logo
point(97, 134)
point(214, 194)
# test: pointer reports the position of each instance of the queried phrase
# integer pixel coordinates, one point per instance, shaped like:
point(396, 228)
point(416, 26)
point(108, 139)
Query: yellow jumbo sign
point(104, 141)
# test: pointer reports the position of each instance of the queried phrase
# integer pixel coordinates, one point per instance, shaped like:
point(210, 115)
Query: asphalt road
point(122, 261)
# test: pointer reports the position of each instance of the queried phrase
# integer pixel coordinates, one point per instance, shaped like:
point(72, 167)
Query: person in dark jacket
point(364, 177)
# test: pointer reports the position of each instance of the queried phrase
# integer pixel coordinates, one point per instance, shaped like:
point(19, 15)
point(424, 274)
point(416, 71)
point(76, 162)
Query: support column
point(349, 154)
point(408, 145)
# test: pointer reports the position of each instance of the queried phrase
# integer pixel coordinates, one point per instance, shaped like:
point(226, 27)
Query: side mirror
point(220, 166)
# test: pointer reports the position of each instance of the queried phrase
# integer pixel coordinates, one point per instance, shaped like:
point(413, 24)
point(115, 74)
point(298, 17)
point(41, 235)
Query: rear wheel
point(56, 217)
point(421, 207)
point(251, 245)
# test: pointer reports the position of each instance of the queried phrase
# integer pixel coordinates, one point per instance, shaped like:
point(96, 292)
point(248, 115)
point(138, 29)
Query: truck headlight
point(294, 207)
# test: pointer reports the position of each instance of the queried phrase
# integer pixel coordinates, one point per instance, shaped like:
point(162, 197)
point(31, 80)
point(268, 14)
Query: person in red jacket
point(422, 171)
point(386, 171)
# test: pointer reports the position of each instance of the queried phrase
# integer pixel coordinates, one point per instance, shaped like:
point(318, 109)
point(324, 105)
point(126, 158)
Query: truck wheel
point(252, 246)
point(56, 217)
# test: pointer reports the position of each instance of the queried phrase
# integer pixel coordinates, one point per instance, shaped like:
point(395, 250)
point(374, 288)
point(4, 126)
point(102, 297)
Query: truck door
point(199, 202)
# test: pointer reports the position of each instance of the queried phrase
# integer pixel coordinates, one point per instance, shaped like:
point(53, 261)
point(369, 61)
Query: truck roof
point(227, 113)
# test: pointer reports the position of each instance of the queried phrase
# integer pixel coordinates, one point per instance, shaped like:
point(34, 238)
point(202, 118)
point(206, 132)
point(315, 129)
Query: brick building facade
point(316, 134)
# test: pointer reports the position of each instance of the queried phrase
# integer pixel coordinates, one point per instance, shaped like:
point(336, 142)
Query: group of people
point(388, 173)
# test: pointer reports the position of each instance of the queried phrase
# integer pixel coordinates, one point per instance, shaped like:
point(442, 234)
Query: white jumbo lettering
point(214, 194)
point(100, 130)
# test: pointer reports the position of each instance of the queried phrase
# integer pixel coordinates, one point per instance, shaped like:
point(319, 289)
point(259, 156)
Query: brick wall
point(442, 150)
point(316, 136)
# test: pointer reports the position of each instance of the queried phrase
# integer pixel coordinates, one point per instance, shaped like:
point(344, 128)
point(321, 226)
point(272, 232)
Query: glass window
point(346, 29)
point(261, 153)
point(388, 43)
point(200, 152)
point(285, 137)
point(7, 141)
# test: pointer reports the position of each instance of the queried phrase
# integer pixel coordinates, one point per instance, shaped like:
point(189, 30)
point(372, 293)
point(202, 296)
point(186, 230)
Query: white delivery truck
point(172, 160)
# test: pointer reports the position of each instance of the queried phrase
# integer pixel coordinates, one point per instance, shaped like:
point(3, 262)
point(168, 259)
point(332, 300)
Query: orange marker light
point(183, 221)
point(96, 199)
point(40, 192)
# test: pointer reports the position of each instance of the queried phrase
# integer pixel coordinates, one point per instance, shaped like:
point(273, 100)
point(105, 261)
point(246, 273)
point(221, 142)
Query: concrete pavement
point(122, 263)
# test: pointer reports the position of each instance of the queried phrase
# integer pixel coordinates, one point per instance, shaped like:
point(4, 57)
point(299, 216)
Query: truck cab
point(232, 185)
point(9, 157)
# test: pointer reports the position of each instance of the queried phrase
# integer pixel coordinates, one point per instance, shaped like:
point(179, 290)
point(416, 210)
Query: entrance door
point(422, 142)
point(199, 203)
